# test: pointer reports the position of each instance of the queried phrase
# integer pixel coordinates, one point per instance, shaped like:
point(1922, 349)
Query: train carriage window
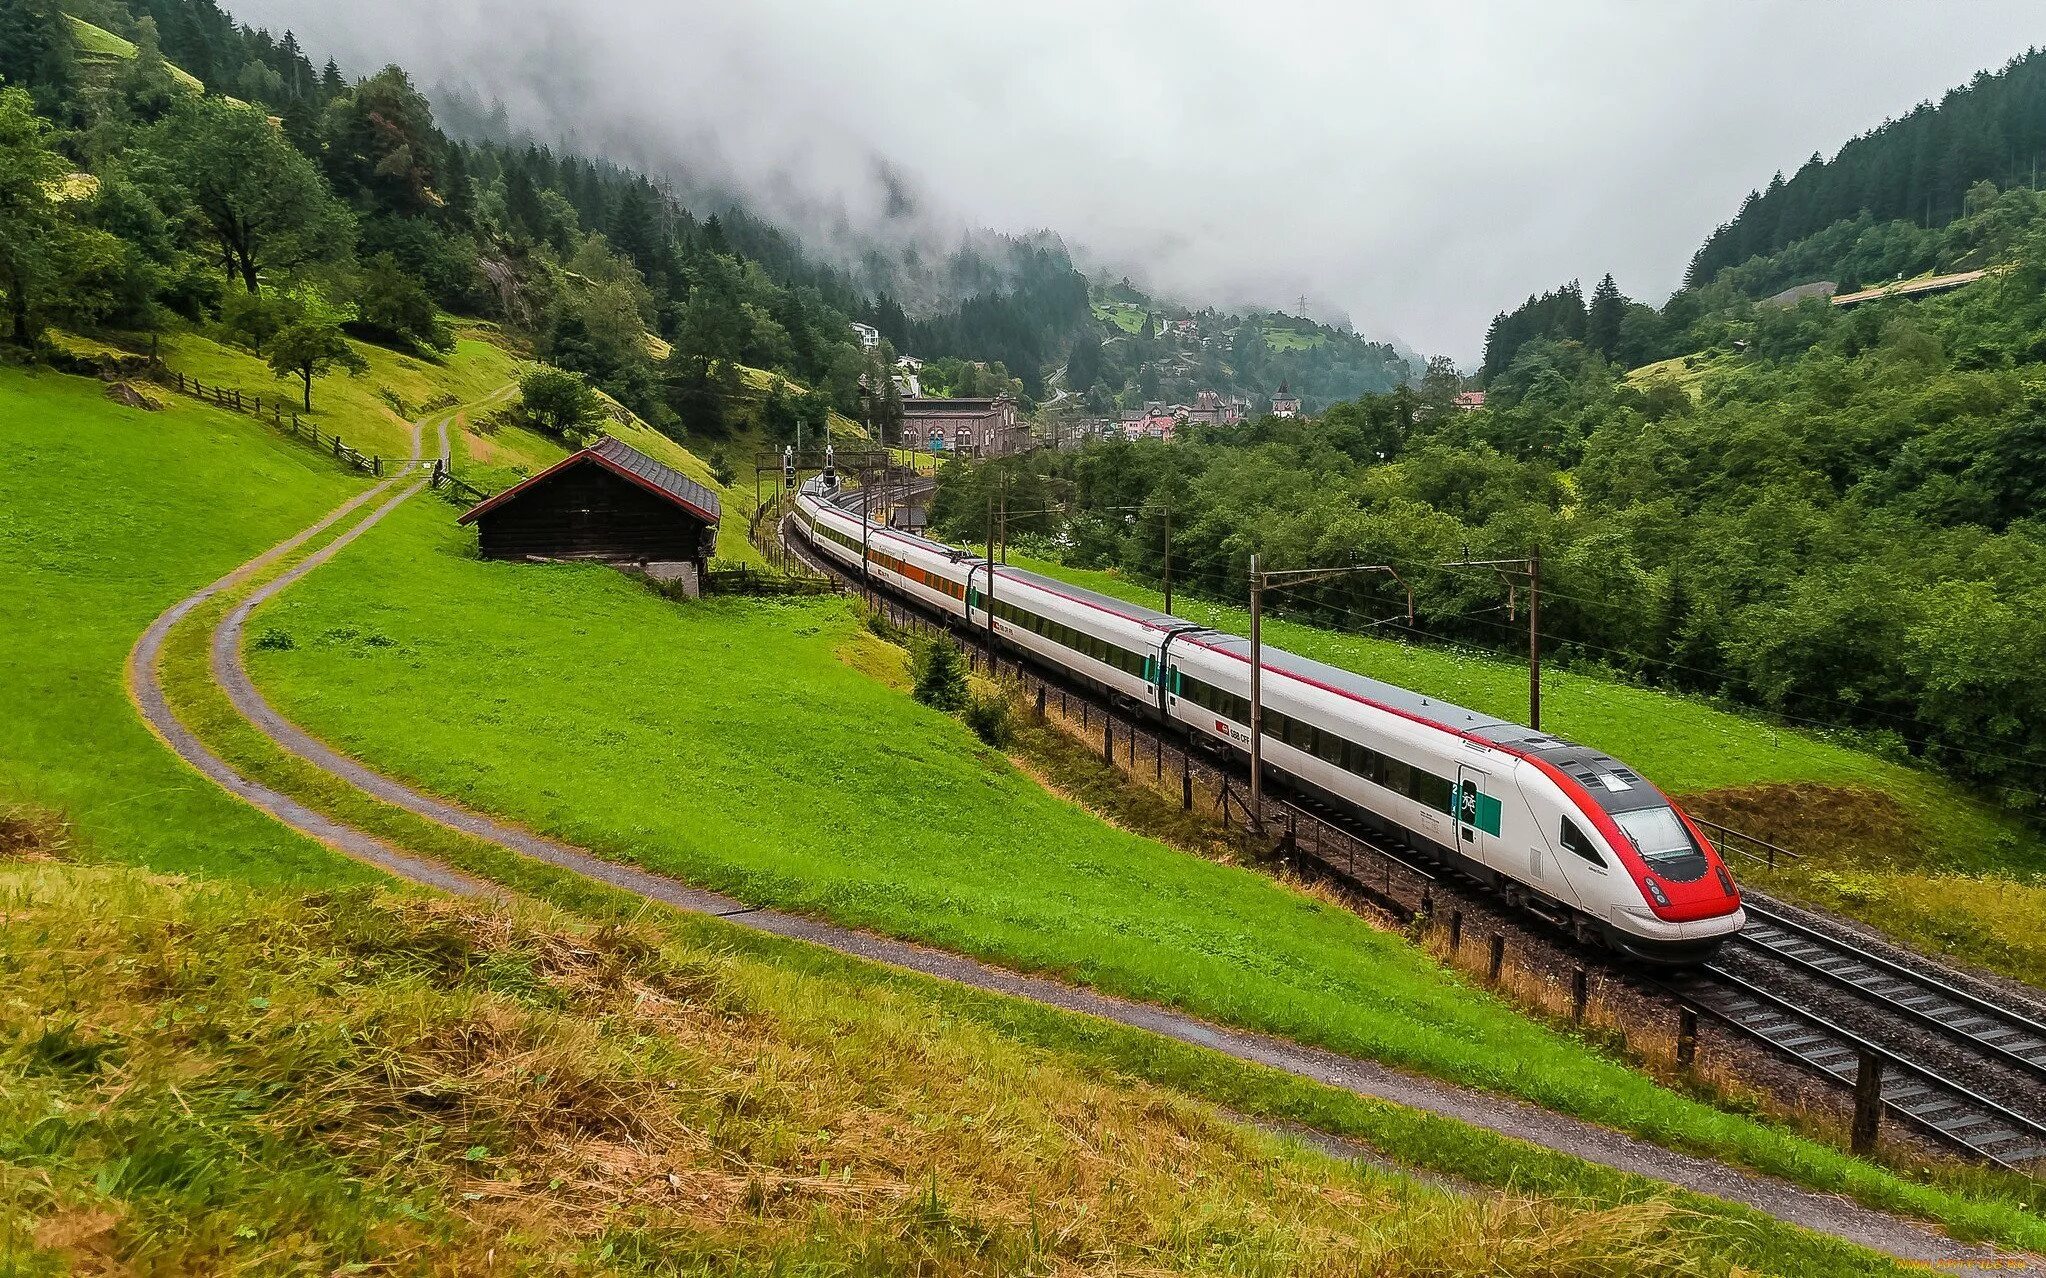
point(1574, 841)
point(1398, 777)
point(1433, 791)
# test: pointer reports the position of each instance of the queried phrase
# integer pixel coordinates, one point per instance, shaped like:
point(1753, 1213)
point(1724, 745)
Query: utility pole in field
point(1168, 559)
point(988, 602)
point(1257, 697)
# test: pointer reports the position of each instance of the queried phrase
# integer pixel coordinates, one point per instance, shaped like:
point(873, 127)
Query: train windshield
point(1664, 842)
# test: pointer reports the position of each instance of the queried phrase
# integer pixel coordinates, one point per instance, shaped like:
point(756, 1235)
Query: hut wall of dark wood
point(587, 512)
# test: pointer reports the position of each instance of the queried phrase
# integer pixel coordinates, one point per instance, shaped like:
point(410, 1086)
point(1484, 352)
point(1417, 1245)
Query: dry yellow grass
point(342, 1079)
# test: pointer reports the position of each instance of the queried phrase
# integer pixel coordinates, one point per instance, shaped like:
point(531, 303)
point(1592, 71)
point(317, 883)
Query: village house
point(1469, 401)
point(974, 427)
point(870, 337)
point(1210, 409)
point(1285, 403)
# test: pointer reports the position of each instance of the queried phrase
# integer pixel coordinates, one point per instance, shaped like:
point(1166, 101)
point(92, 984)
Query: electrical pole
point(1261, 581)
point(989, 602)
point(1168, 560)
point(1532, 567)
point(1257, 688)
point(866, 539)
point(1534, 637)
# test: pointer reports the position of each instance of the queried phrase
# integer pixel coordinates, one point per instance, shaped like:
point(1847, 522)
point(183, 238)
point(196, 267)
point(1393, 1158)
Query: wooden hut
point(609, 503)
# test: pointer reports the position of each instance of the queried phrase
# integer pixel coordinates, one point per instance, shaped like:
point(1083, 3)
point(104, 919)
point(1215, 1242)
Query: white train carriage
point(1556, 827)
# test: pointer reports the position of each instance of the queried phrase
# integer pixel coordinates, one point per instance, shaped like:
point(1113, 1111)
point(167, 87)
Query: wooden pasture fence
point(284, 419)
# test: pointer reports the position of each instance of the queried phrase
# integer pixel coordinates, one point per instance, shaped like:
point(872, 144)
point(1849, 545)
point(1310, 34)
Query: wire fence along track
point(1316, 839)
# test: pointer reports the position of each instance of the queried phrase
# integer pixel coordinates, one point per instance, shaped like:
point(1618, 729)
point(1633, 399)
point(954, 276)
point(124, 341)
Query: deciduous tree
point(264, 204)
point(309, 343)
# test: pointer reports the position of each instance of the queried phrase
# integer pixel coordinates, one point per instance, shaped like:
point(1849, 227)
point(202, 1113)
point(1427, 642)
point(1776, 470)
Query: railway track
point(1960, 1067)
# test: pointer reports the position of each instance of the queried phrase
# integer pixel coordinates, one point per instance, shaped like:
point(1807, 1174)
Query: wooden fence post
point(1580, 995)
point(1868, 1102)
point(1185, 784)
point(1497, 963)
point(1455, 930)
point(1687, 1037)
point(1108, 740)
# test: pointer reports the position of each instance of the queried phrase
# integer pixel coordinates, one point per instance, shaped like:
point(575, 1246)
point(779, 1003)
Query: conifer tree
point(1602, 323)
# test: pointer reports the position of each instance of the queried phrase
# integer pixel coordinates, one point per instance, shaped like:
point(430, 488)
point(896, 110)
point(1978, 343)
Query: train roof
point(1108, 603)
point(1611, 784)
point(1390, 695)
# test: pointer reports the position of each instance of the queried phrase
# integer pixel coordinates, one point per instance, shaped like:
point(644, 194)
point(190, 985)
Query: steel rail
point(1830, 1049)
point(2004, 1020)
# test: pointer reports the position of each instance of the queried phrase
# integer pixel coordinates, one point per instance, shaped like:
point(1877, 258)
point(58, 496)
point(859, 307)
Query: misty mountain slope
point(1917, 170)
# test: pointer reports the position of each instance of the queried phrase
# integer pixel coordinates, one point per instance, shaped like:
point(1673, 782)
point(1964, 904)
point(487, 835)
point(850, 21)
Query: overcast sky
point(1416, 167)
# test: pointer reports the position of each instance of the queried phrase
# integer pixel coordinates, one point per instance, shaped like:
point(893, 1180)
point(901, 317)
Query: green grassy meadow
point(1293, 339)
point(742, 745)
point(1123, 315)
point(350, 406)
point(109, 515)
point(1901, 848)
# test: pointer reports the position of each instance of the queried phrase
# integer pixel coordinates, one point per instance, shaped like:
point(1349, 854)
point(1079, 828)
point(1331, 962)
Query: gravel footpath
point(145, 689)
point(1822, 1213)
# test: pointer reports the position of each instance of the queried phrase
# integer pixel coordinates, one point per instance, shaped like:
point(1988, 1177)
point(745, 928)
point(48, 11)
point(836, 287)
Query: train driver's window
point(1574, 840)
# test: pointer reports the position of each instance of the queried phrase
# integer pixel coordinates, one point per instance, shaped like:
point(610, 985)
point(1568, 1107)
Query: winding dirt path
point(145, 689)
point(1822, 1213)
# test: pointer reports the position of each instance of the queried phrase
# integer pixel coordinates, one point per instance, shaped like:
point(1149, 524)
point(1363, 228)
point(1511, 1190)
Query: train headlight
point(1655, 889)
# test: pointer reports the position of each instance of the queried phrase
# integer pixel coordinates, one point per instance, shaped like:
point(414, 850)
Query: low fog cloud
point(1414, 167)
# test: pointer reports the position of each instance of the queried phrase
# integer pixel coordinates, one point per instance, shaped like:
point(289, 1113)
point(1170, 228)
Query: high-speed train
point(1554, 827)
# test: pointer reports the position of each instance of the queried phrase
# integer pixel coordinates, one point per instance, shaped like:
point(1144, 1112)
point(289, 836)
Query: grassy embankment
point(98, 46)
point(201, 1078)
point(1903, 849)
point(191, 1076)
point(107, 517)
point(749, 752)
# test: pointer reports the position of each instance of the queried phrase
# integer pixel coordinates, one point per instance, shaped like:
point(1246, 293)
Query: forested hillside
point(180, 168)
point(1142, 350)
point(1948, 187)
point(1918, 170)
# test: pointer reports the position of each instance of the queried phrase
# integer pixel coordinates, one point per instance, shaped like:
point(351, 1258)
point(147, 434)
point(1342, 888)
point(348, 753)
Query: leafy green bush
point(987, 713)
point(560, 402)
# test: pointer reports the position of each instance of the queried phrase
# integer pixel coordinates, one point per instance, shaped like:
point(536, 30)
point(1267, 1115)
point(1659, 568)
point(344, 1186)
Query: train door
point(1477, 813)
point(1159, 674)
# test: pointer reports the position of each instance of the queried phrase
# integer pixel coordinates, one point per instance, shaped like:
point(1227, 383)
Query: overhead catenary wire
point(1923, 734)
